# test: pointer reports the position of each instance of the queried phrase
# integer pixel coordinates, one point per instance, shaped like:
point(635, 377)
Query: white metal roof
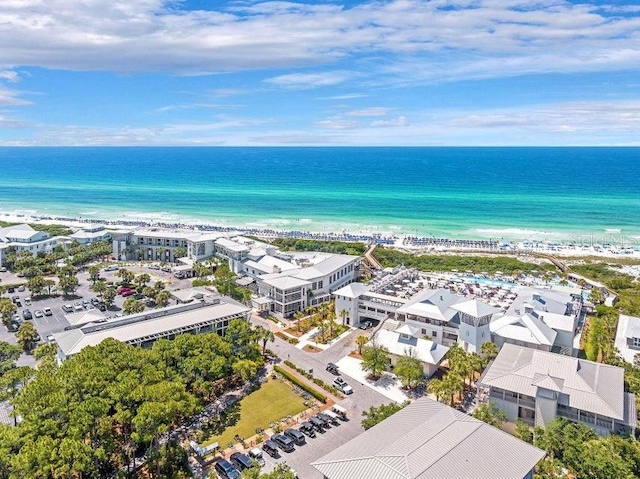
point(628, 327)
point(475, 308)
point(589, 386)
point(525, 328)
point(286, 282)
point(84, 317)
point(426, 351)
point(130, 329)
point(429, 440)
point(352, 290)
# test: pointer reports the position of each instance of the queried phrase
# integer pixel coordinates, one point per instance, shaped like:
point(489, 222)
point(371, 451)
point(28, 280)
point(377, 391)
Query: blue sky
point(405, 72)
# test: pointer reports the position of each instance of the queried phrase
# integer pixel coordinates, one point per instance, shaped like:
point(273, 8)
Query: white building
point(403, 342)
point(91, 234)
point(538, 386)
point(24, 238)
point(160, 244)
point(145, 328)
point(627, 340)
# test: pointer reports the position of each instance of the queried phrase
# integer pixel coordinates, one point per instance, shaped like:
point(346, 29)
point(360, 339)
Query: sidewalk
point(388, 385)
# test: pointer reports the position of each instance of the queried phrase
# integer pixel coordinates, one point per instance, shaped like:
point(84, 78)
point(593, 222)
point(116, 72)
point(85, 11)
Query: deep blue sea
point(516, 193)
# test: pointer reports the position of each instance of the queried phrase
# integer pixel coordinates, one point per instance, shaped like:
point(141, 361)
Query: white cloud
point(10, 76)
point(371, 111)
point(337, 124)
point(10, 97)
point(304, 81)
point(475, 37)
point(391, 123)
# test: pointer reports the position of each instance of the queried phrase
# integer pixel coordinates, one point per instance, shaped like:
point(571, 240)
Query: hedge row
point(290, 377)
point(289, 339)
point(327, 387)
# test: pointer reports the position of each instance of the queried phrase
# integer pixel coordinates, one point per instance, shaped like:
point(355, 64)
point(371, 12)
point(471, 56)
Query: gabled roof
point(84, 317)
point(588, 386)
point(286, 282)
point(429, 440)
point(426, 351)
point(352, 290)
point(526, 328)
point(475, 308)
point(432, 303)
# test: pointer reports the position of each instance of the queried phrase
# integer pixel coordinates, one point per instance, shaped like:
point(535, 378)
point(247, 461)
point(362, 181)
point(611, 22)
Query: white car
point(38, 314)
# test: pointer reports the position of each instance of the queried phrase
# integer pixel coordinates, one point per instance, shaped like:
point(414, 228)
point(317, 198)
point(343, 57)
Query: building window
point(434, 334)
point(636, 342)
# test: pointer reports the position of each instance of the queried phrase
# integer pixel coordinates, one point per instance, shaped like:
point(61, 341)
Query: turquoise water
point(516, 193)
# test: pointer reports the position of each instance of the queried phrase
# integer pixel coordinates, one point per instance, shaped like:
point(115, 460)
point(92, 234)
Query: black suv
point(26, 314)
point(241, 461)
point(271, 448)
point(317, 423)
point(226, 470)
point(284, 442)
point(333, 368)
point(296, 436)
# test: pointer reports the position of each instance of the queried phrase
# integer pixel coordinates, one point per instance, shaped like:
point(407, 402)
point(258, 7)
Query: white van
point(339, 411)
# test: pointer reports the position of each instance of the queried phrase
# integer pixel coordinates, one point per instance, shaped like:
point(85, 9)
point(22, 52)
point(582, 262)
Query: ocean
point(567, 194)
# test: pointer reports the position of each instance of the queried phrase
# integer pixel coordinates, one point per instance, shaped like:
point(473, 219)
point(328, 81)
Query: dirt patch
point(311, 349)
point(355, 354)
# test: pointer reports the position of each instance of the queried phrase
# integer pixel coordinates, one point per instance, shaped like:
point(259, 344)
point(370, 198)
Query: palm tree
point(436, 387)
point(160, 253)
point(344, 314)
point(265, 336)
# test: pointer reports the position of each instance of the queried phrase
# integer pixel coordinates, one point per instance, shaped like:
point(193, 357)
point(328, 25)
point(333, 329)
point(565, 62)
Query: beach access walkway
point(373, 263)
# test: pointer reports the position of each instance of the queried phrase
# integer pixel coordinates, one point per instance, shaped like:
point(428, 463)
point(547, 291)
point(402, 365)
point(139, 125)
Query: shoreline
point(410, 243)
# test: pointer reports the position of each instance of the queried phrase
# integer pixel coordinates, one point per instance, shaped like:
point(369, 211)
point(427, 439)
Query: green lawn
point(274, 400)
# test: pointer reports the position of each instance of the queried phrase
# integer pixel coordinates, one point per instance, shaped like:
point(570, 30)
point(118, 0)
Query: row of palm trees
point(462, 368)
point(321, 316)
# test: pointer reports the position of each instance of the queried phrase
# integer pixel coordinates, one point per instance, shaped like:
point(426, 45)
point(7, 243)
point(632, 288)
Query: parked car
point(21, 288)
point(271, 448)
point(255, 454)
point(241, 461)
point(3, 269)
point(296, 436)
point(38, 313)
point(332, 417)
point(15, 298)
point(328, 419)
point(284, 442)
point(308, 429)
point(365, 325)
point(26, 314)
point(154, 266)
point(333, 368)
point(95, 301)
point(113, 267)
point(129, 292)
point(342, 385)
point(318, 424)
point(67, 308)
point(27, 301)
point(77, 307)
point(226, 470)
point(18, 303)
point(11, 289)
point(85, 303)
point(102, 307)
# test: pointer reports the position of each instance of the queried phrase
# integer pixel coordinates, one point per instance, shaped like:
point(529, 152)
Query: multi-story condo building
point(160, 244)
point(627, 340)
point(91, 234)
point(24, 238)
point(537, 386)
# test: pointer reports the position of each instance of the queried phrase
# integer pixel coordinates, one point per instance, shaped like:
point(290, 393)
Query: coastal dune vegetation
point(477, 264)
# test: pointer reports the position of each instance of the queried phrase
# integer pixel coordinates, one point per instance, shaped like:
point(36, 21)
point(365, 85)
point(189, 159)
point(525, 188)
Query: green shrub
point(293, 379)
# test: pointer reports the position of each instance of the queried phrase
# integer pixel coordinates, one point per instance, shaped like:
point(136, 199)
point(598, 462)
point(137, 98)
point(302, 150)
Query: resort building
point(558, 310)
point(537, 386)
point(91, 234)
point(23, 237)
point(429, 440)
point(627, 340)
point(403, 342)
point(285, 282)
point(145, 328)
point(161, 244)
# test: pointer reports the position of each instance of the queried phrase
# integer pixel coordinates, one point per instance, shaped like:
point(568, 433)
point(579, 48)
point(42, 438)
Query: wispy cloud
point(371, 111)
point(304, 81)
point(391, 123)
